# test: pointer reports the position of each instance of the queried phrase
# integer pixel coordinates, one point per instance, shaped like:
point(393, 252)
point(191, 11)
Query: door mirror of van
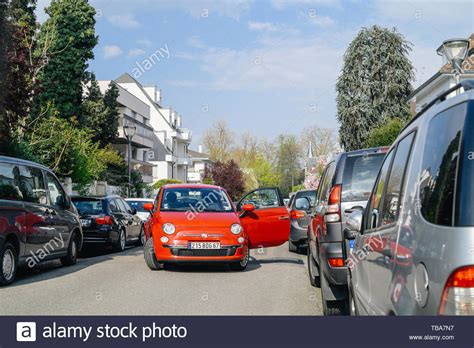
point(303, 203)
point(353, 224)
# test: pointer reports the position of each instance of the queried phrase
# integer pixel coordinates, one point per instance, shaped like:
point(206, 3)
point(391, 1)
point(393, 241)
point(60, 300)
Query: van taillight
point(104, 220)
point(333, 211)
point(458, 294)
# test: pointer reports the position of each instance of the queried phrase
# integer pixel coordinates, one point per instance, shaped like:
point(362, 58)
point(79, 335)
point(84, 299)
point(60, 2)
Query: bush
point(386, 134)
point(163, 182)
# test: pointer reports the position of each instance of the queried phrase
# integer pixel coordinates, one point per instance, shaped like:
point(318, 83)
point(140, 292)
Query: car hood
point(189, 220)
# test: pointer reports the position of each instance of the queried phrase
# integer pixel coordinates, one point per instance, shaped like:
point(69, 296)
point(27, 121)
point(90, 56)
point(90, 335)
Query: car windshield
point(196, 200)
point(89, 206)
point(138, 205)
point(359, 177)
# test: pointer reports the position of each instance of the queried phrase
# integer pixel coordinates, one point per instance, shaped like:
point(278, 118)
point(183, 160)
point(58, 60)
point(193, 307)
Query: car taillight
point(104, 220)
point(336, 262)
point(458, 294)
point(333, 213)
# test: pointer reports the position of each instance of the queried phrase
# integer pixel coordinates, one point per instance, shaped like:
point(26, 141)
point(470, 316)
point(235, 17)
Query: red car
point(199, 223)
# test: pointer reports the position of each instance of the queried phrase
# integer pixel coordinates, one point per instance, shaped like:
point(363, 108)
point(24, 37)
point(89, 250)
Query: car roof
point(139, 199)
point(191, 186)
point(95, 196)
point(23, 162)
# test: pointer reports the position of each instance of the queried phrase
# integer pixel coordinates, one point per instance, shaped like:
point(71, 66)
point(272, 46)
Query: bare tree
point(323, 140)
point(218, 141)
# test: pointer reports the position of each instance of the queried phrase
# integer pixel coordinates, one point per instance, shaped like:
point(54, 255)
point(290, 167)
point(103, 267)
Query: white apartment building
point(200, 161)
point(134, 112)
point(170, 140)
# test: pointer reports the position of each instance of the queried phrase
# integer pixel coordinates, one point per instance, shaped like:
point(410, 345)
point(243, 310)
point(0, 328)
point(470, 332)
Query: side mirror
point(303, 203)
point(246, 208)
point(353, 224)
point(149, 206)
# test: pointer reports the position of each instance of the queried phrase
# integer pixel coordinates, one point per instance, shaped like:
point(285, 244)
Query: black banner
point(237, 331)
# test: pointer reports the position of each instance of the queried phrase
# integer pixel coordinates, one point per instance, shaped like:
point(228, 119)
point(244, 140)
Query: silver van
point(411, 251)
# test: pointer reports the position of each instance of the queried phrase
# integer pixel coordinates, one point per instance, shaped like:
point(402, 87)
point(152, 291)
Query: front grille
point(203, 252)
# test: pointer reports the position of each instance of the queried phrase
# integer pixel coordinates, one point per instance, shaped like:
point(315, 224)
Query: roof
point(22, 161)
point(95, 197)
point(178, 186)
point(197, 154)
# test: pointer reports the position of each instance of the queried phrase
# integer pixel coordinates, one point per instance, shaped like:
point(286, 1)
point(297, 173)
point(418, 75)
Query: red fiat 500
point(199, 223)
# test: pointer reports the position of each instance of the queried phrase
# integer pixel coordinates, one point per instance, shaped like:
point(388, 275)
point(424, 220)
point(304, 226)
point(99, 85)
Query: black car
point(344, 187)
point(37, 220)
point(108, 220)
point(301, 201)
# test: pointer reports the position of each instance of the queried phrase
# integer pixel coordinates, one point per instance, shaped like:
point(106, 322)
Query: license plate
point(351, 245)
point(85, 222)
point(204, 245)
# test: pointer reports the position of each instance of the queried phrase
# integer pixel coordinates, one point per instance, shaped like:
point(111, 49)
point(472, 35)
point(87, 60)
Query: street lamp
point(454, 51)
point(129, 132)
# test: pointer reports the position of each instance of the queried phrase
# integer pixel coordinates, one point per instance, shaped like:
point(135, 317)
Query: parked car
point(108, 221)
point(199, 223)
point(344, 187)
point(37, 220)
point(300, 206)
point(138, 204)
point(421, 209)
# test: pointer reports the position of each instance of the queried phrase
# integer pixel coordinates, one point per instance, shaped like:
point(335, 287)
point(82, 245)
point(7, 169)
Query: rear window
point(9, 186)
point(441, 160)
point(359, 176)
point(88, 206)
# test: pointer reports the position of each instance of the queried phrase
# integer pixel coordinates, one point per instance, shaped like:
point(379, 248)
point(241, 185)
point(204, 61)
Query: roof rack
point(466, 84)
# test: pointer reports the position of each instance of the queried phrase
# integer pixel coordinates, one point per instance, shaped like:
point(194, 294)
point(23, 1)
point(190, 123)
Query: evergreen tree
point(3, 70)
point(22, 21)
point(73, 43)
point(374, 84)
point(109, 132)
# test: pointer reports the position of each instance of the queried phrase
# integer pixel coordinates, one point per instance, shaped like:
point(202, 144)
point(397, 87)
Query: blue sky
point(264, 66)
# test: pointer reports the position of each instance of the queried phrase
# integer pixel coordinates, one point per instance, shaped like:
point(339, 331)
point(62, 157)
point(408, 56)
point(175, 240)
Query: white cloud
point(282, 4)
point(261, 26)
point(196, 42)
point(322, 21)
point(145, 43)
point(112, 51)
point(123, 21)
point(136, 52)
point(183, 83)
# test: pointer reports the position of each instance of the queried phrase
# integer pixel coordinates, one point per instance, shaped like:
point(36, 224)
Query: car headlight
point(169, 228)
point(235, 228)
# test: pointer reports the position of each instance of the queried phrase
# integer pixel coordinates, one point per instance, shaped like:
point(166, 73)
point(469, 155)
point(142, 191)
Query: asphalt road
point(275, 283)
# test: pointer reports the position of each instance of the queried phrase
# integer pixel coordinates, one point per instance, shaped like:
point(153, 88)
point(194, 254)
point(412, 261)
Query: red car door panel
point(269, 224)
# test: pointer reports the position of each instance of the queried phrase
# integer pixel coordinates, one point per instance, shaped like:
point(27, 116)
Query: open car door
point(269, 224)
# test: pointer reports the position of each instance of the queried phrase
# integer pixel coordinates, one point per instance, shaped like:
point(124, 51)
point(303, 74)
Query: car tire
point(241, 265)
point(150, 257)
point(141, 237)
point(8, 264)
point(313, 279)
point(72, 253)
point(292, 247)
point(332, 307)
point(121, 241)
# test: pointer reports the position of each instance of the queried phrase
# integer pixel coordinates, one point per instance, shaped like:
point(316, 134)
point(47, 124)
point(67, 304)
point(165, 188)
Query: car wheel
point(141, 237)
point(8, 264)
point(71, 257)
point(332, 307)
point(121, 241)
point(313, 279)
point(150, 257)
point(292, 247)
point(241, 265)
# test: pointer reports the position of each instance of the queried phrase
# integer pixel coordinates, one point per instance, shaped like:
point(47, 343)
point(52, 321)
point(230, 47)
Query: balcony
point(180, 160)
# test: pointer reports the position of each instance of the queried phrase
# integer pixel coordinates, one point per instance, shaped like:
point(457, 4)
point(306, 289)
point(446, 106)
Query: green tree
point(4, 133)
point(288, 162)
point(265, 173)
point(74, 39)
point(163, 182)
point(22, 23)
point(374, 84)
point(386, 134)
point(109, 131)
